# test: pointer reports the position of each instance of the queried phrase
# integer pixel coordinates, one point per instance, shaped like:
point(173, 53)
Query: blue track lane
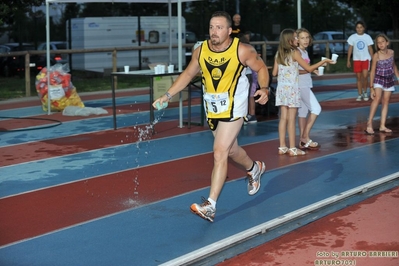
point(136, 237)
point(24, 177)
point(162, 231)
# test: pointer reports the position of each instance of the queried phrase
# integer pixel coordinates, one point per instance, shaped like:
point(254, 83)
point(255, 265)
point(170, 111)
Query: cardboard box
point(162, 84)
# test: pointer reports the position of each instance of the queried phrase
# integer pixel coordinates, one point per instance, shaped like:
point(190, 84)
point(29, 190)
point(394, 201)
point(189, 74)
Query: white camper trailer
point(110, 32)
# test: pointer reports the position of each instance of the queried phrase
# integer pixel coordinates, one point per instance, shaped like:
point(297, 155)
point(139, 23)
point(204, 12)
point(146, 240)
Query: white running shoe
point(254, 177)
point(359, 98)
point(204, 210)
point(365, 96)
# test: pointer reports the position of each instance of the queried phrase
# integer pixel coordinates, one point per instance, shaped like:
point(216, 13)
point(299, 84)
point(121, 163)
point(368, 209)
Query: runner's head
point(219, 27)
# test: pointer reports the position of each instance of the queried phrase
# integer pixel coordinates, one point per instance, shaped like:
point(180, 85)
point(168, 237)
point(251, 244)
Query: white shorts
point(378, 86)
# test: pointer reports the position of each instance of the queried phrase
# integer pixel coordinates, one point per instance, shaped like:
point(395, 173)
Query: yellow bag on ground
point(62, 92)
point(60, 104)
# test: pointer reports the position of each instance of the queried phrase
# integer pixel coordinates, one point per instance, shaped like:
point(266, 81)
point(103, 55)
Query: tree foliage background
point(267, 17)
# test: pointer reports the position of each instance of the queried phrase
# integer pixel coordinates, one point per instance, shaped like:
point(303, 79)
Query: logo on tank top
point(216, 74)
point(216, 69)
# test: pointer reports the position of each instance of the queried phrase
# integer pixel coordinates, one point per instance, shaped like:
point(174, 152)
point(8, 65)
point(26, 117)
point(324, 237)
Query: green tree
point(9, 9)
point(379, 15)
point(17, 18)
point(123, 9)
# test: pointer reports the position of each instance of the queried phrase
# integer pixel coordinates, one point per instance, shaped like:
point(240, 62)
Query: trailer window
point(153, 36)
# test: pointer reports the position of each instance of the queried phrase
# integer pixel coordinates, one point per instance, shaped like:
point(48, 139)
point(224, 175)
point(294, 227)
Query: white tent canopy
point(179, 15)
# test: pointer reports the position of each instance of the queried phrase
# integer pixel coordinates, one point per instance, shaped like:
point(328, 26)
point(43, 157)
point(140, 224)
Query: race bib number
point(217, 102)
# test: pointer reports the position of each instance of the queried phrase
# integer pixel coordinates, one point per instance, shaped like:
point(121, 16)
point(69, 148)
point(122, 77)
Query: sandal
point(369, 131)
point(385, 130)
point(282, 150)
point(295, 152)
point(311, 145)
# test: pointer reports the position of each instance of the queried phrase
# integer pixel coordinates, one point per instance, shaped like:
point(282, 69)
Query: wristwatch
point(168, 95)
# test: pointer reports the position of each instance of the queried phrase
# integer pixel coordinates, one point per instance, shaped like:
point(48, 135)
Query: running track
point(81, 193)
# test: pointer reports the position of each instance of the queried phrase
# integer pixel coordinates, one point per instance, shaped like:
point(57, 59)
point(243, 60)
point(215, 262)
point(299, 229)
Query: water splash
point(129, 203)
point(144, 135)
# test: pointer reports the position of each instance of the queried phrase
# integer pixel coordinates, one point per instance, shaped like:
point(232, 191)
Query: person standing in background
point(310, 106)
point(286, 63)
point(237, 29)
point(360, 43)
point(382, 81)
point(253, 85)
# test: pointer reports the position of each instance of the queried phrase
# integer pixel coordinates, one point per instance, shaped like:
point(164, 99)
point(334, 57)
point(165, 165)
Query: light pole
point(299, 12)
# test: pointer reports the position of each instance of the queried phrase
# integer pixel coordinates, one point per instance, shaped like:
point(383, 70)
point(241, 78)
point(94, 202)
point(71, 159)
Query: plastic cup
point(321, 71)
point(171, 68)
point(126, 69)
point(163, 106)
point(162, 69)
point(334, 57)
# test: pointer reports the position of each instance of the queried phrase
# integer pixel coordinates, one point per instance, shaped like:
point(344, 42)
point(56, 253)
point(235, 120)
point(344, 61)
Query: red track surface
point(359, 227)
point(363, 227)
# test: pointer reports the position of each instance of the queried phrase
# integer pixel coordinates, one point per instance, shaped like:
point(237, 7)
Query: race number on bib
point(217, 102)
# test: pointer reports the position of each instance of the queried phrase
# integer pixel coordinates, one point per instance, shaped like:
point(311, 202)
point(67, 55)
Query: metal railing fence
point(114, 51)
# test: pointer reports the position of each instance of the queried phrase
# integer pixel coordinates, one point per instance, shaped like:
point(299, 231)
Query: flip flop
point(385, 130)
point(368, 132)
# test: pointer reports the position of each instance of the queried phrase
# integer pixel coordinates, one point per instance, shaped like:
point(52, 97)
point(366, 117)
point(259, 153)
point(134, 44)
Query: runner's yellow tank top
point(224, 81)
